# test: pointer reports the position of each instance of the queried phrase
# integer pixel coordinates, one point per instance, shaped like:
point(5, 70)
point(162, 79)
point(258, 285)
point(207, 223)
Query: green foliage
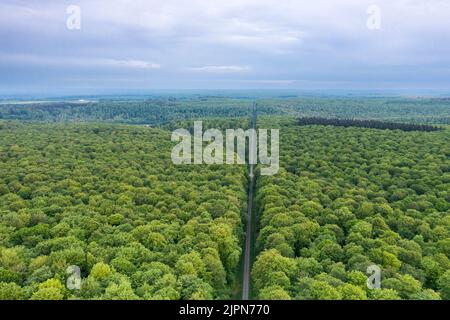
point(348, 198)
point(120, 291)
point(444, 285)
point(52, 289)
point(272, 269)
point(274, 293)
point(100, 271)
point(150, 112)
point(405, 285)
point(351, 292)
point(382, 125)
point(10, 291)
point(163, 109)
point(317, 290)
point(384, 294)
point(107, 199)
point(427, 294)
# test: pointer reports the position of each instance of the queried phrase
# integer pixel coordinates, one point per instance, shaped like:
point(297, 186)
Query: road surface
point(248, 233)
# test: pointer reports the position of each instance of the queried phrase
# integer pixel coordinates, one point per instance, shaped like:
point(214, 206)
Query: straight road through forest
point(248, 234)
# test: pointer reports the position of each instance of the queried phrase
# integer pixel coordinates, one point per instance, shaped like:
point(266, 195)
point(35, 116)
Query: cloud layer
point(224, 44)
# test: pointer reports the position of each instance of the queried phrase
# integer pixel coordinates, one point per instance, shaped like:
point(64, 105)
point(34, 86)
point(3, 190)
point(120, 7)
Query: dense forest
point(374, 124)
point(107, 199)
point(92, 185)
point(151, 112)
point(348, 198)
point(163, 110)
point(410, 110)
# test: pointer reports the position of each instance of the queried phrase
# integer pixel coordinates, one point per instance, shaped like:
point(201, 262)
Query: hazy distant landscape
point(156, 111)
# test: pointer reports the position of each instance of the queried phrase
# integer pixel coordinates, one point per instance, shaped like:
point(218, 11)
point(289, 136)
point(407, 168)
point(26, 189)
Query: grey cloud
point(199, 43)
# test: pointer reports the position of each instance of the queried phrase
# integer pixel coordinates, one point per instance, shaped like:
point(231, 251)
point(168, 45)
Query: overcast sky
point(209, 44)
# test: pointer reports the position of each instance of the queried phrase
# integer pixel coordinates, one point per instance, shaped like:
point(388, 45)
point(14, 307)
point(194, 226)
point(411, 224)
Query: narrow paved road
point(248, 234)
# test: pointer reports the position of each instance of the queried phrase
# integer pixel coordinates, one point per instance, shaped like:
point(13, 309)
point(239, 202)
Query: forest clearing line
point(248, 235)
